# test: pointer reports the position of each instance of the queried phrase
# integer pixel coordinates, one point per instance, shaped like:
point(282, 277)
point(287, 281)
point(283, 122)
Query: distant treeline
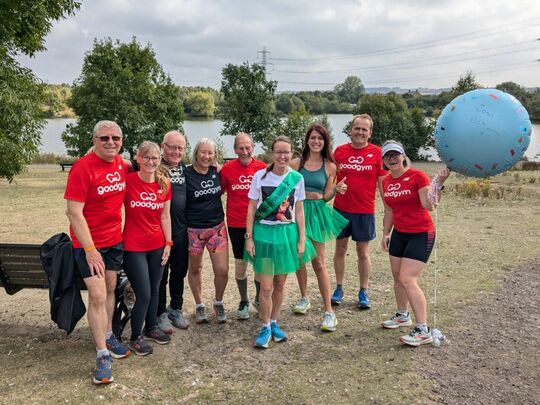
point(206, 102)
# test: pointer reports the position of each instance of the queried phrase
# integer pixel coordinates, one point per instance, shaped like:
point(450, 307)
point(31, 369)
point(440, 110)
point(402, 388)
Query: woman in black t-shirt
point(206, 227)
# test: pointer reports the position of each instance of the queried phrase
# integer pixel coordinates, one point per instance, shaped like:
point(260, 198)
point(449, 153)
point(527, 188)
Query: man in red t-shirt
point(360, 163)
point(95, 193)
point(236, 177)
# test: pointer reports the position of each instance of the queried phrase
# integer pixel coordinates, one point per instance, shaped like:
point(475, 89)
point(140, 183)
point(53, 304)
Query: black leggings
point(144, 271)
point(178, 266)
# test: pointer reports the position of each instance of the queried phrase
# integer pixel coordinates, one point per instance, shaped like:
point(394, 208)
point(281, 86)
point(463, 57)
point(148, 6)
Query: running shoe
point(157, 335)
point(117, 349)
point(329, 322)
point(140, 347)
point(363, 299)
point(177, 318)
point(200, 315)
point(303, 306)
point(417, 337)
point(164, 324)
point(103, 373)
point(263, 337)
point(221, 316)
point(243, 310)
point(337, 297)
point(396, 321)
point(277, 333)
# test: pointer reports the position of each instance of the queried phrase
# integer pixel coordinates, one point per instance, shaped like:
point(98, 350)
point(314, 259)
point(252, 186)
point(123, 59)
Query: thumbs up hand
point(341, 187)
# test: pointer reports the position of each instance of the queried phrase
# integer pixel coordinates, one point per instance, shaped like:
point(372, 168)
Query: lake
point(197, 129)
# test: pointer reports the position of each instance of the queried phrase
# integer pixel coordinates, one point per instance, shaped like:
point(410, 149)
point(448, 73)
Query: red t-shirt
point(401, 195)
point(101, 186)
point(362, 167)
point(235, 181)
point(144, 204)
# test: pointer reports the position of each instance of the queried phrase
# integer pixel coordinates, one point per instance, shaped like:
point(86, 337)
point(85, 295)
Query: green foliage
point(392, 119)
point(351, 90)
point(200, 104)
point(288, 102)
point(296, 125)
point(56, 101)
point(23, 26)
point(248, 102)
point(123, 82)
point(464, 84)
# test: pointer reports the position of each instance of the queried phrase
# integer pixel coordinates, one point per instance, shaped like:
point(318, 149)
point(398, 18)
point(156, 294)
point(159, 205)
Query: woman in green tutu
point(275, 235)
point(318, 167)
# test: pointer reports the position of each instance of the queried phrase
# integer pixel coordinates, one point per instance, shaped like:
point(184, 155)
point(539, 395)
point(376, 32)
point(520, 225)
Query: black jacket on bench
point(67, 306)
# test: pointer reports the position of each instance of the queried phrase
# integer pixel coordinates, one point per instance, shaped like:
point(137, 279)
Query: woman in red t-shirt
point(408, 235)
point(147, 243)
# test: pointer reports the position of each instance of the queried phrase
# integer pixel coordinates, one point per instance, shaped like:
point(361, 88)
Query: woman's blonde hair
point(203, 142)
point(161, 173)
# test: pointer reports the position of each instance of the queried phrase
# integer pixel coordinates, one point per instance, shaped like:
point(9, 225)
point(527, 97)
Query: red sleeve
point(77, 184)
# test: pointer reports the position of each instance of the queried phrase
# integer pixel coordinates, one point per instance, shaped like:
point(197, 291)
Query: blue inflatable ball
point(482, 133)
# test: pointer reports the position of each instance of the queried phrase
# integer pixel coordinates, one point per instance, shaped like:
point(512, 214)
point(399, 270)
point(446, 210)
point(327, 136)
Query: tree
point(351, 89)
point(123, 82)
point(23, 27)
point(392, 119)
point(516, 90)
point(464, 84)
point(200, 104)
point(248, 102)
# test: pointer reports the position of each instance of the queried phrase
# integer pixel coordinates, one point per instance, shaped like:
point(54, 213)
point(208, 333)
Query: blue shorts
point(361, 226)
point(416, 246)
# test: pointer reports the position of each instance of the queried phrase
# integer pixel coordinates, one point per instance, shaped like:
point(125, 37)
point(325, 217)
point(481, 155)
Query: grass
point(478, 237)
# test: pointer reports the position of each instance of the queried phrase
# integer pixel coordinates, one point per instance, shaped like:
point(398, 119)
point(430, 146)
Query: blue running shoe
point(337, 297)
point(103, 373)
point(363, 299)
point(263, 338)
point(277, 333)
point(117, 349)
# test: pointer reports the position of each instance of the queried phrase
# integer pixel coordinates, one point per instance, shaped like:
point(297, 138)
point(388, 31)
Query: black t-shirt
point(177, 176)
point(204, 208)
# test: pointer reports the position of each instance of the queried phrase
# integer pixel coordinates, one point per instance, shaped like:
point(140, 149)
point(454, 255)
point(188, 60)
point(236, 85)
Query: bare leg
point(323, 279)
point(110, 281)
point(265, 297)
point(302, 276)
point(364, 263)
point(277, 295)
point(97, 309)
point(408, 277)
point(402, 301)
point(220, 265)
point(339, 259)
point(195, 277)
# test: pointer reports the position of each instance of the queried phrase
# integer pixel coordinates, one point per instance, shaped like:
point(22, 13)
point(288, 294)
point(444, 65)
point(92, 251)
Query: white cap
point(389, 147)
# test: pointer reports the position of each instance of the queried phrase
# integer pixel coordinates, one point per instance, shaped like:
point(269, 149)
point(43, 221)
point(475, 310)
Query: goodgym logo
point(206, 184)
point(355, 163)
point(245, 182)
point(358, 160)
point(112, 178)
point(394, 190)
point(148, 196)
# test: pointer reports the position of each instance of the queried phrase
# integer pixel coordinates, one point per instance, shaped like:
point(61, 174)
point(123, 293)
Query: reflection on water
point(197, 129)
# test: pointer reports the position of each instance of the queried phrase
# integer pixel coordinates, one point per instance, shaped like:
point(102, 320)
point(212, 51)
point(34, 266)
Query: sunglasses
point(105, 138)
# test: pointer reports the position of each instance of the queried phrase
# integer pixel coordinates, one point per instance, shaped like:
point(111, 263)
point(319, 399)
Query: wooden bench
point(20, 267)
point(63, 165)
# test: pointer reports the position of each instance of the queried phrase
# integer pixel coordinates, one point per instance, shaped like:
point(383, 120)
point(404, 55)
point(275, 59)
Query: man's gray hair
point(105, 124)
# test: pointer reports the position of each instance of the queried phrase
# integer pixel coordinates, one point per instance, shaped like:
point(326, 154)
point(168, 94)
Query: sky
point(311, 44)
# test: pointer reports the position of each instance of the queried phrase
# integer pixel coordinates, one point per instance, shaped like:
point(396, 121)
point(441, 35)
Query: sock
point(257, 290)
point(243, 289)
point(108, 335)
point(273, 321)
point(216, 302)
point(403, 312)
point(201, 306)
point(423, 327)
point(266, 325)
point(102, 352)
point(363, 289)
point(339, 286)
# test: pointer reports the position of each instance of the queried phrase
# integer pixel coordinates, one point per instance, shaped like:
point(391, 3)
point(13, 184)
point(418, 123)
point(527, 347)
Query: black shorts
point(112, 257)
point(361, 226)
point(416, 246)
point(238, 240)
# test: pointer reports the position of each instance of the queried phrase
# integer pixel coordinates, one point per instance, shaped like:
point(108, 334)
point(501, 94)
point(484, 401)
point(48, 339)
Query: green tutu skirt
point(323, 223)
point(275, 249)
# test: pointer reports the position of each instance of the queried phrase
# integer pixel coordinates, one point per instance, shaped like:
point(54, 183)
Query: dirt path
point(494, 353)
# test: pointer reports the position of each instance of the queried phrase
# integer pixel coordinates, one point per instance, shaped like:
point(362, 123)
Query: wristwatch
point(441, 188)
point(247, 235)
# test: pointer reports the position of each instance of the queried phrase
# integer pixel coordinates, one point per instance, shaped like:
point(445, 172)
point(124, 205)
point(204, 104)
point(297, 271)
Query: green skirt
point(275, 249)
point(323, 223)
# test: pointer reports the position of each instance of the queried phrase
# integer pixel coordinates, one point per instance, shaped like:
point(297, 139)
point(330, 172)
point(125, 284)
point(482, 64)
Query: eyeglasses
point(173, 147)
point(281, 152)
point(150, 158)
point(105, 138)
point(391, 155)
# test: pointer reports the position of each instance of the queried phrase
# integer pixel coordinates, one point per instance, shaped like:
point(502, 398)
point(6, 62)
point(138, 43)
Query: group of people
point(277, 218)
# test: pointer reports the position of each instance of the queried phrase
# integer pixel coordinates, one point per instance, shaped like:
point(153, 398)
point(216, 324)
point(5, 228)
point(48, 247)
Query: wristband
point(89, 248)
point(169, 243)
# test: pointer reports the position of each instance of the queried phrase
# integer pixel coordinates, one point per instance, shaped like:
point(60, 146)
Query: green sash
point(278, 195)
